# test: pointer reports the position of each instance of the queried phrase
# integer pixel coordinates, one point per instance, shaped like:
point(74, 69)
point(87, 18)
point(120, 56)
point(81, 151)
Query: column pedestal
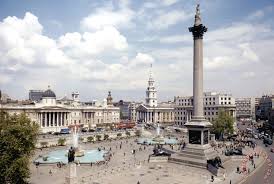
point(71, 178)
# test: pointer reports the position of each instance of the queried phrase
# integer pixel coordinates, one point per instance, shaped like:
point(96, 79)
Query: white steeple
point(151, 93)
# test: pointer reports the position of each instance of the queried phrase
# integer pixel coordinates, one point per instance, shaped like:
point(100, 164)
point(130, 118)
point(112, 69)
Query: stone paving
point(125, 168)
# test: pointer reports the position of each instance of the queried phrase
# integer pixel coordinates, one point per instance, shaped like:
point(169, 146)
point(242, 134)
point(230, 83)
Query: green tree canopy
point(17, 143)
point(90, 138)
point(128, 133)
point(98, 137)
point(61, 141)
point(106, 136)
point(223, 124)
point(138, 133)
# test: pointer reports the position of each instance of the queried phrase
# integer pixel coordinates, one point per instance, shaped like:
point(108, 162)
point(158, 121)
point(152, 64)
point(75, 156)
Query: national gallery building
point(52, 115)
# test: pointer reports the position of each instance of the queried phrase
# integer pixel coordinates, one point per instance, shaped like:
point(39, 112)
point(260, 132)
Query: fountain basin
point(87, 157)
point(79, 153)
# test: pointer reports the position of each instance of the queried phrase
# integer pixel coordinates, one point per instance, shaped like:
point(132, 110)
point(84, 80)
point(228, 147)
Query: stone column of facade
point(46, 119)
point(50, 119)
point(53, 118)
point(61, 118)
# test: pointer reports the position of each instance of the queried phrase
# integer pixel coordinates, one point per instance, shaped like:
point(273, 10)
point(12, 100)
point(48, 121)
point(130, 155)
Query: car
point(65, 131)
point(268, 141)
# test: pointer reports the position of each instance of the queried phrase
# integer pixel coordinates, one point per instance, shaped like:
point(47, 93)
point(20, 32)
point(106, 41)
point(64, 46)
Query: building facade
point(124, 109)
point(265, 107)
point(213, 103)
point(245, 108)
point(51, 115)
point(151, 111)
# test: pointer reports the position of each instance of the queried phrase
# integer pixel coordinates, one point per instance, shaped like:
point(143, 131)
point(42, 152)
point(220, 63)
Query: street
point(265, 173)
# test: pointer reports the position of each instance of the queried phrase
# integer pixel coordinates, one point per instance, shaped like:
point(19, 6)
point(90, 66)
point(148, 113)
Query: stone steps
point(188, 161)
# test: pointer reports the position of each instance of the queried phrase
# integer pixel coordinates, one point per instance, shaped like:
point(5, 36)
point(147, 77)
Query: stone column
point(198, 31)
point(46, 119)
point(61, 122)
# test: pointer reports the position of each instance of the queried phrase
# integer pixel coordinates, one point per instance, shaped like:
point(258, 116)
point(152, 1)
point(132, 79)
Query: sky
point(96, 46)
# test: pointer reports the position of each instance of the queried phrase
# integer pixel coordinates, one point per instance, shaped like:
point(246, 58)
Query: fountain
point(158, 139)
point(81, 156)
point(75, 138)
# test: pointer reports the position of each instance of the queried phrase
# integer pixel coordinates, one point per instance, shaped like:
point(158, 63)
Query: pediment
point(142, 108)
point(53, 108)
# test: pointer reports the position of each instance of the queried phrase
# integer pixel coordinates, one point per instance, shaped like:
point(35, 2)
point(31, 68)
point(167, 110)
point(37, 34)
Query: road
point(265, 173)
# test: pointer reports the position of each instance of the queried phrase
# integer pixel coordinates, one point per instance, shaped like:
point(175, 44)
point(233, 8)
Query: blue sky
point(95, 46)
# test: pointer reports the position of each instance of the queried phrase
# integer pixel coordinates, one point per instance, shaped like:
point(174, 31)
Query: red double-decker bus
point(125, 125)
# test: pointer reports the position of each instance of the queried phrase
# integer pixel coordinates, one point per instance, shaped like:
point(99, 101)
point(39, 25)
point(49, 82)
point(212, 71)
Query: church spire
point(151, 93)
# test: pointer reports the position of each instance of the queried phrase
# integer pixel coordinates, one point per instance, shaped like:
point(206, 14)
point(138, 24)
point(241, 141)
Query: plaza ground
point(125, 168)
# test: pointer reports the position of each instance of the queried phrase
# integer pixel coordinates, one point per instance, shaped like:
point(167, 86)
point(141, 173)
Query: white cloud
point(176, 39)
point(248, 53)
point(167, 19)
point(107, 17)
point(142, 59)
point(169, 2)
point(248, 75)
point(93, 43)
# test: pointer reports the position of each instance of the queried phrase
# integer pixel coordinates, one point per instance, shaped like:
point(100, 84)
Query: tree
point(98, 137)
point(119, 134)
point(138, 133)
point(106, 136)
point(61, 141)
point(17, 144)
point(128, 133)
point(90, 138)
point(44, 144)
point(223, 124)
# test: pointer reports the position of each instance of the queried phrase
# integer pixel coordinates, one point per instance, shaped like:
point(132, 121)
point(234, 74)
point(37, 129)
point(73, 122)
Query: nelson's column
point(198, 149)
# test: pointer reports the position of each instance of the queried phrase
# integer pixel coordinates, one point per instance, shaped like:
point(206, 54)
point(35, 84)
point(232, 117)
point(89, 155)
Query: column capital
point(198, 31)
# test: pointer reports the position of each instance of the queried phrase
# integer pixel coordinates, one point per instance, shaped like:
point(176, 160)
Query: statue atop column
point(197, 16)
point(71, 155)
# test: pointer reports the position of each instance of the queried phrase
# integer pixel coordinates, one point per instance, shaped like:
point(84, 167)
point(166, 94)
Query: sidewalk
point(245, 165)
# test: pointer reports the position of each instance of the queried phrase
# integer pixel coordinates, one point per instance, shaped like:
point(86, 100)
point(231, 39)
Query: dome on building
point(49, 93)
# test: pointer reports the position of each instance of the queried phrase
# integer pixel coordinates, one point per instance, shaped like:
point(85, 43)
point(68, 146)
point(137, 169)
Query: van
point(65, 131)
